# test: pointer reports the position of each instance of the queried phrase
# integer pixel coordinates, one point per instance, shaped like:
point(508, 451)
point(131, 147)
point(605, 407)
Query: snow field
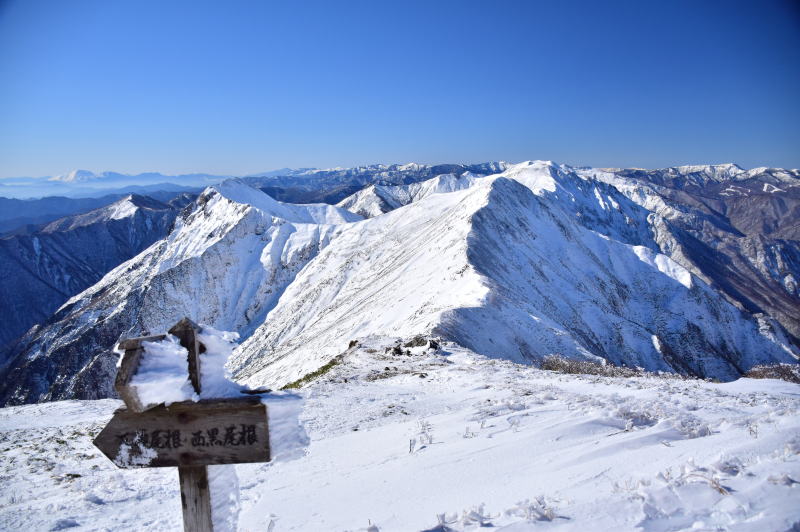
point(447, 440)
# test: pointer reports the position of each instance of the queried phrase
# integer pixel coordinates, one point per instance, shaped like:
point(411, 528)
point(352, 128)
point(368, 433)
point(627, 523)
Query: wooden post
point(195, 493)
point(195, 499)
point(186, 331)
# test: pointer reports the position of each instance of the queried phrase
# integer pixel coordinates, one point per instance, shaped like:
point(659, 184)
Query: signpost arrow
point(189, 435)
point(224, 431)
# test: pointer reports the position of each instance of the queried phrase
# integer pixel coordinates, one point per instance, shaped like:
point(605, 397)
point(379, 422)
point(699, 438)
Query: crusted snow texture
point(539, 259)
point(476, 439)
point(375, 200)
point(223, 485)
point(163, 373)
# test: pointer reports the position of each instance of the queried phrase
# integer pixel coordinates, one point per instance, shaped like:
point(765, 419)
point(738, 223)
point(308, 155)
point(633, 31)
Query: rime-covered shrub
point(562, 364)
point(786, 372)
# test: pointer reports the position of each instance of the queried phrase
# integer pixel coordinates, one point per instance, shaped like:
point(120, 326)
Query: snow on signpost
point(191, 433)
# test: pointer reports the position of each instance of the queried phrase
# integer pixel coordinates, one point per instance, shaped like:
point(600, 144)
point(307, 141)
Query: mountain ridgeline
point(690, 269)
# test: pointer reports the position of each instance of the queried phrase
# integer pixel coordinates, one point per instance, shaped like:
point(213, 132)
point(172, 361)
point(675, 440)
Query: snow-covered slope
point(378, 199)
point(238, 191)
point(537, 260)
point(507, 268)
point(449, 440)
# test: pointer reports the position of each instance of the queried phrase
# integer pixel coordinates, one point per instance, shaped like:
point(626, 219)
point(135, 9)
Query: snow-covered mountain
point(531, 262)
point(40, 271)
point(375, 200)
point(19, 215)
point(235, 248)
point(78, 176)
point(736, 229)
point(394, 174)
point(535, 260)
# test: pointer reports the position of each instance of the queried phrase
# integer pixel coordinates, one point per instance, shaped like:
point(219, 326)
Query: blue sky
point(241, 87)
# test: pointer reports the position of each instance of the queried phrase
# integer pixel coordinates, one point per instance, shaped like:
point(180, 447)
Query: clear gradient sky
point(234, 87)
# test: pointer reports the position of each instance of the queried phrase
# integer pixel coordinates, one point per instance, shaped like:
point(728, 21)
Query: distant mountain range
point(304, 184)
point(86, 184)
point(688, 269)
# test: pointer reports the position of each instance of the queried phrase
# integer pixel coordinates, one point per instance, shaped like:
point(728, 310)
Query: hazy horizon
point(230, 174)
point(243, 87)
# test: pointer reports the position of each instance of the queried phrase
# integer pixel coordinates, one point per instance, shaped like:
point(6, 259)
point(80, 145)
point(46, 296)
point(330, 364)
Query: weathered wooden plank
point(223, 431)
point(195, 499)
point(128, 367)
point(186, 331)
point(188, 435)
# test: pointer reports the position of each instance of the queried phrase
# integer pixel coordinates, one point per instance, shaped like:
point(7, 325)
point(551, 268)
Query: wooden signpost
point(187, 435)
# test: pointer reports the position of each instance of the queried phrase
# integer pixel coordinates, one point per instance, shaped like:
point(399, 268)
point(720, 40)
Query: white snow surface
point(665, 265)
point(163, 375)
point(223, 484)
point(448, 440)
point(215, 378)
point(288, 438)
point(318, 213)
point(375, 200)
point(75, 176)
point(122, 209)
